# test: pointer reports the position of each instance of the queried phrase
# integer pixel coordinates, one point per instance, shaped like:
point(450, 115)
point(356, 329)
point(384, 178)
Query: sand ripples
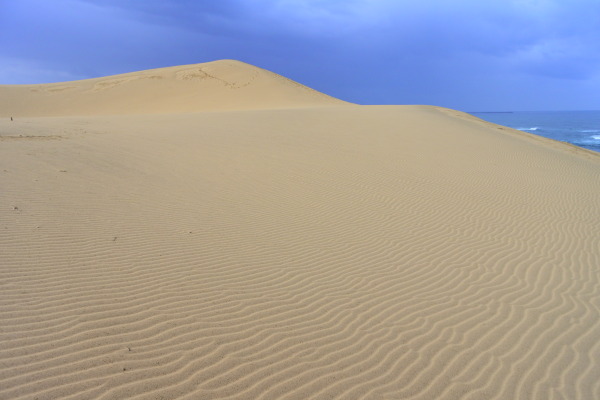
point(361, 254)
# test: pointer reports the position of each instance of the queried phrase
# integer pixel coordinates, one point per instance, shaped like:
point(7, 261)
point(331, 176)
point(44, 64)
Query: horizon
point(463, 54)
point(527, 111)
point(173, 66)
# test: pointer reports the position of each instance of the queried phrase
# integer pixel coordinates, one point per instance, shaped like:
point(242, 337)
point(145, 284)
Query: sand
point(219, 85)
point(286, 245)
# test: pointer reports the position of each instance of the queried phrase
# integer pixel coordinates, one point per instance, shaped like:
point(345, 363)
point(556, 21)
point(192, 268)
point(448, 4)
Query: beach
point(220, 232)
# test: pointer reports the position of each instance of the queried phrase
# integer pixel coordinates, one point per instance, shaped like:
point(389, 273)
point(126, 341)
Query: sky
point(470, 55)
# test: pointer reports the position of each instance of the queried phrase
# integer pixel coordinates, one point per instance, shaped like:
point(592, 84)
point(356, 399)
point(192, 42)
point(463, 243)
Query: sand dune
point(218, 85)
point(346, 252)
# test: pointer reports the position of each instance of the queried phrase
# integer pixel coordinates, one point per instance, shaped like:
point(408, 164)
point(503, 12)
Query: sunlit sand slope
point(217, 85)
point(334, 252)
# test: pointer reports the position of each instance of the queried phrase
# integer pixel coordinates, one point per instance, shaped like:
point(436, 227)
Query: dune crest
point(217, 85)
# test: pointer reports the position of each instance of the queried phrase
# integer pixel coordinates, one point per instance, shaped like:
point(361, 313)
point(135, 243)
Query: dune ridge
point(345, 252)
point(216, 85)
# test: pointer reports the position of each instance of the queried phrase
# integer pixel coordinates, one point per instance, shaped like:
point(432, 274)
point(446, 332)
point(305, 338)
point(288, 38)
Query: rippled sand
point(291, 247)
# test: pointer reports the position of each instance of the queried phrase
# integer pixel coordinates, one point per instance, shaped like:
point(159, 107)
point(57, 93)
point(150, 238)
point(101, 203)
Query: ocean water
point(581, 128)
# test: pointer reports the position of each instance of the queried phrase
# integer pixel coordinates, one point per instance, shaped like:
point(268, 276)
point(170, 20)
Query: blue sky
point(471, 55)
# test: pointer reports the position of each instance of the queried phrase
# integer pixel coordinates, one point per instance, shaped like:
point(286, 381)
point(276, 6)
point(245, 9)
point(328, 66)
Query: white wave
point(535, 128)
point(595, 137)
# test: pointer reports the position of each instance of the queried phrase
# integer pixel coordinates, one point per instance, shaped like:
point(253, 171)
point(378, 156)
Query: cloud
point(369, 51)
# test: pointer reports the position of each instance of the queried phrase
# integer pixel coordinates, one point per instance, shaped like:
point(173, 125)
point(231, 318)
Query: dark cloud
point(466, 54)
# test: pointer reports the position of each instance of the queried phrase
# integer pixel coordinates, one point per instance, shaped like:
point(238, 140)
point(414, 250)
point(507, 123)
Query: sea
point(581, 128)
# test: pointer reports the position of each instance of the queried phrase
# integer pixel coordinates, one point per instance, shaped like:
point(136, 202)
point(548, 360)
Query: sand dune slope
point(217, 85)
point(315, 253)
